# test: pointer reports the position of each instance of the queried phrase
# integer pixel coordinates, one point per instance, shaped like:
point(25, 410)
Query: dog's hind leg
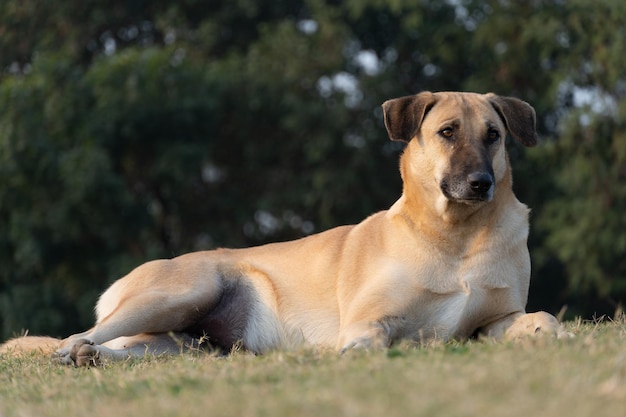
point(158, 297)
point(85, 353)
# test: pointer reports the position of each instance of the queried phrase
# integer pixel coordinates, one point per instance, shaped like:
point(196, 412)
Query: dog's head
point(456, 140)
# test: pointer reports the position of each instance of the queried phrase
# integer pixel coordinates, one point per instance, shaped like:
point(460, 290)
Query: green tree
point(131, 130)
point(162, 133)
point(565, 59)
point(583, 220)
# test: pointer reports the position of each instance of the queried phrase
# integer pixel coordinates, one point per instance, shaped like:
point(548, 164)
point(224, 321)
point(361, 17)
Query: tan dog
point(447, 260)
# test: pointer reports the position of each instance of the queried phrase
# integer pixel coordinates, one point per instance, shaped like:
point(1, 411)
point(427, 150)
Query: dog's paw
point(62, 356)
point(355, 344)
point(362, 343)
point(536, 324)
point(85, 353)
point(365, 335)
point(81, 352)
point(564, 334)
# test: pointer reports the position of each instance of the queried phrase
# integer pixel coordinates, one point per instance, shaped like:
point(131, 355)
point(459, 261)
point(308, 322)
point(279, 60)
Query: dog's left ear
point(518, 116)
point(404, 115)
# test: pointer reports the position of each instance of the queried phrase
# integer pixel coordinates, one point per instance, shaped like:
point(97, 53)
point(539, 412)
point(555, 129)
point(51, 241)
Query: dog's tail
point(26, 345)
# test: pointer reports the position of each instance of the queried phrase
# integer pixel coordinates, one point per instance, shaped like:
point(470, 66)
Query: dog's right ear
point(404, 115)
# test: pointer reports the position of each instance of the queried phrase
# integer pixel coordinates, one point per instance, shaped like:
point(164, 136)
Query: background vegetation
point(133, 129)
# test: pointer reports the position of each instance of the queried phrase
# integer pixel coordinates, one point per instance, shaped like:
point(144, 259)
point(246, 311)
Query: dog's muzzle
point(476, 187)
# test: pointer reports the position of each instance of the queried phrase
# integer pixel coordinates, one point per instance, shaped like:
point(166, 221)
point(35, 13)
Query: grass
point(582, 376)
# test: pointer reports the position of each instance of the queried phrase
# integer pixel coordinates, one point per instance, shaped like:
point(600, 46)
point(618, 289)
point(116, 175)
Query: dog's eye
point(493, 135)
point(447, 132)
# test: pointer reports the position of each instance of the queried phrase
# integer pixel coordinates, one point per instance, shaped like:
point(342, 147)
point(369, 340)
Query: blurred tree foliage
point(131, 130)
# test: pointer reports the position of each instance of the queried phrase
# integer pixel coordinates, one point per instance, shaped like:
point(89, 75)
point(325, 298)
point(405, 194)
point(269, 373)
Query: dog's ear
point(404, 115)
point(518, 116)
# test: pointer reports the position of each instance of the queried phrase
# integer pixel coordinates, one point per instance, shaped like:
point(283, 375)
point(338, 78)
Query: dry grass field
point(583, 376)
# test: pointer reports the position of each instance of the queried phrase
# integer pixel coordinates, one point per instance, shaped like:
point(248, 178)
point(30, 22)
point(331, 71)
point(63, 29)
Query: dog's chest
point(449, 299)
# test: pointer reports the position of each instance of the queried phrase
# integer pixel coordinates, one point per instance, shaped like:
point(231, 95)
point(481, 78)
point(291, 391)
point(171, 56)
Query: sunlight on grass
point(582, 376)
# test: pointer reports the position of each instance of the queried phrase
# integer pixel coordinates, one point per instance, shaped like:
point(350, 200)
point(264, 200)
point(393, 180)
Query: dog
point(449, 259)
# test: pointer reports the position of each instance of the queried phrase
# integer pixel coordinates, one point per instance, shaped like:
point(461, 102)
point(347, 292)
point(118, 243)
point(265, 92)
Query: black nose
point(480, 182)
